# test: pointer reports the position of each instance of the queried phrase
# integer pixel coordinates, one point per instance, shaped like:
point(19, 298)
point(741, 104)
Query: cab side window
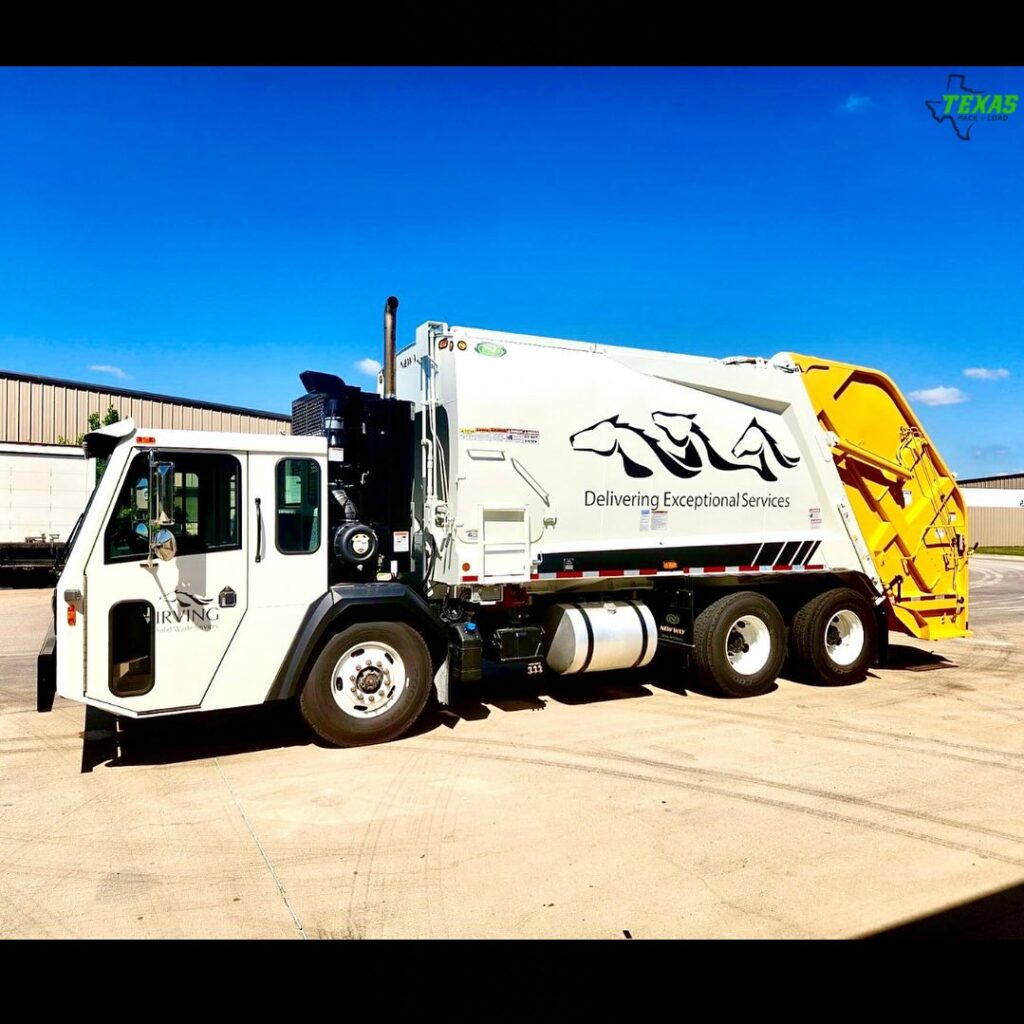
point(298, 506)
point(207, 499)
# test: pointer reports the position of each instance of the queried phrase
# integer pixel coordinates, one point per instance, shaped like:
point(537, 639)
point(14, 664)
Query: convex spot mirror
point(164, 544)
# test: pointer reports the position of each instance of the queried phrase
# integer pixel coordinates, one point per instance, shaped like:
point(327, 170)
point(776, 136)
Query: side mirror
point(163, 545)
point(161, 489)
point(162, 542)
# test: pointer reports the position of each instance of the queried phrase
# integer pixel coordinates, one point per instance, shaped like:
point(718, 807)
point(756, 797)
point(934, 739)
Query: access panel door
point(157, 631)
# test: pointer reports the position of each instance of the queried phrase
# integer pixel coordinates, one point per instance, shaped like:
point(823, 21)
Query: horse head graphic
point(677, 425)
point(756, 441)
point(684, 449)
point(601, 438)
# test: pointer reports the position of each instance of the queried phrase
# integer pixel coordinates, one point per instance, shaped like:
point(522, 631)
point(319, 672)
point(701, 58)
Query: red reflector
point(146, 440)
point(470, 579)
point(72, 614)
point(443, 343)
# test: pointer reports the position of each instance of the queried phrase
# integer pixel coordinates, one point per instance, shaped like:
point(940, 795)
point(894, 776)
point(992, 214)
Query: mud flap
point(46, 673)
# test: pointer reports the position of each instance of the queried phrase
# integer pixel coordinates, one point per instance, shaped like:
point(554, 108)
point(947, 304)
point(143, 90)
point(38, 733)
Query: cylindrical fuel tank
point(594, 636)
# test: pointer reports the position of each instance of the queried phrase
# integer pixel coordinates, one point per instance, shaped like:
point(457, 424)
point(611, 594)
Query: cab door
point(156, 631)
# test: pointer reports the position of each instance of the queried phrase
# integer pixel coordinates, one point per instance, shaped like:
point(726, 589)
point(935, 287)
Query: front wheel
point(369, 684)
point(739, 644)
point(834, 636)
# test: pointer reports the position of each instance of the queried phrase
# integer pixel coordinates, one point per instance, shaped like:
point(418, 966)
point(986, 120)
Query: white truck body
point(572, 459)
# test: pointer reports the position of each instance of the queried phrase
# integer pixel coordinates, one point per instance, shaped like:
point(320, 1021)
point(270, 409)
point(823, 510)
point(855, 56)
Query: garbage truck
point(570, 507)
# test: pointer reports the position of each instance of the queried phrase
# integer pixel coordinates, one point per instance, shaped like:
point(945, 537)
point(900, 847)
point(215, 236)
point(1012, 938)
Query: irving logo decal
point(683, 448)
point(191, 609)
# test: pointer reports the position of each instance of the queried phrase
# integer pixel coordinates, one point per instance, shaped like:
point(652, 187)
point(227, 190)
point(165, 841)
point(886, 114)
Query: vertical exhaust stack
point(390, 309)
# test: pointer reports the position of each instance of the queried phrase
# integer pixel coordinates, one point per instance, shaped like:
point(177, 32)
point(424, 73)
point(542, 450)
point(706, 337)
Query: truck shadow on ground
point(181, 738)
point(912, 659)
point(996, 915)
point(504, 688)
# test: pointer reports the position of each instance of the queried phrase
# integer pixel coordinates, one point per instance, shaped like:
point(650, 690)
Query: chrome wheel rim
point(368, 679)
point(844, 637)
point(748, 645)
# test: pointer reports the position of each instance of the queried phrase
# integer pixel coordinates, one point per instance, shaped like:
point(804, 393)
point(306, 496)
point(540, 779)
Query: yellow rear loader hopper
point(906, 502)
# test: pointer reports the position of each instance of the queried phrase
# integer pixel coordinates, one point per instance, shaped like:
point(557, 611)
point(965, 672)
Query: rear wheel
point(739, 644)
point(369, 684)
point(834, 637)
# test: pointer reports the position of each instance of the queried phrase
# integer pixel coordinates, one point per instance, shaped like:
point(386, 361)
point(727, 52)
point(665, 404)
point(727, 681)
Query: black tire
point(713, 636)
point(812, 628)
point(324, 714)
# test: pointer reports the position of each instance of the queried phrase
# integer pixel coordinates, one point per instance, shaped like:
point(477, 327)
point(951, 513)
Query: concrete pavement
point(587, 808)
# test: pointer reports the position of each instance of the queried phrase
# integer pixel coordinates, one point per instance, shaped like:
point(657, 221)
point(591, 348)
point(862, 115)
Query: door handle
point(259, 532)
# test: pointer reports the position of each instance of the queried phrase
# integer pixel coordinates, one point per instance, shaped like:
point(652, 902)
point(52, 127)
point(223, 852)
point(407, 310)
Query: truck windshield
point(65, 552)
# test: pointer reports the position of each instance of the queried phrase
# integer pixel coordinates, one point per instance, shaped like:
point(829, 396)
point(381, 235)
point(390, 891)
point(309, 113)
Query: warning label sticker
point(508, 435)
point(814, 515)
point(652, 520)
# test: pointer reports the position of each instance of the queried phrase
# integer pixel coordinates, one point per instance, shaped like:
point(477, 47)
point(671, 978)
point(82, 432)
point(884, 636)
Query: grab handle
point(259, 531)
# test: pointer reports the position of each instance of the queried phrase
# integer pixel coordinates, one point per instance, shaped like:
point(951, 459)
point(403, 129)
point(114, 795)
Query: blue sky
point(213, 232)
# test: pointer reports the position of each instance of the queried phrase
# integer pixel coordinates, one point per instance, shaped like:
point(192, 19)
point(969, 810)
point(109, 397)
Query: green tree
point(95, 422)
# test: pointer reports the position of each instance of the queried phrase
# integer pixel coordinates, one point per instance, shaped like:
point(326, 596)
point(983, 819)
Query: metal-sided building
point(44, 478)
point(996, 509)
point(40, 410)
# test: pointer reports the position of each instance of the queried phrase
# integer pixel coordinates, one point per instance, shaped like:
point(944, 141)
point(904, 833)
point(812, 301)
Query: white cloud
point(114, 371)
point(939, 396)
point(981, 373)
point(368, 366)
point(855, 102)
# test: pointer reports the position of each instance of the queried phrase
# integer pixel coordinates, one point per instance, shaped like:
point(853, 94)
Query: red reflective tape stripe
point(470, 579)
point(750, 568)
point(648, 572)
point(534, 575)
point(568, 575)
point(782, 568)
point(814, 567)
point(714, 568)
point(611, 572)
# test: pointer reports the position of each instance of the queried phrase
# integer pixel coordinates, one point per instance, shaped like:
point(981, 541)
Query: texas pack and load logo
point(963, 107)
point(681, 447)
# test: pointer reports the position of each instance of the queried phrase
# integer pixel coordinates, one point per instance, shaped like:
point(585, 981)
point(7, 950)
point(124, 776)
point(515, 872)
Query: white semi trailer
point(574, 507)
point(43, 489)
